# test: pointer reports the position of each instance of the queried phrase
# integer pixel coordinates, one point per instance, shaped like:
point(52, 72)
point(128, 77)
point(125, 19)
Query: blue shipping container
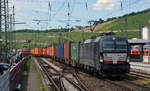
point(57, 50)
point(60, 51)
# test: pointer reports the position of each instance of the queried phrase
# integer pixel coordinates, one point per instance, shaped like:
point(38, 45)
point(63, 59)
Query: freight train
point(107, 55)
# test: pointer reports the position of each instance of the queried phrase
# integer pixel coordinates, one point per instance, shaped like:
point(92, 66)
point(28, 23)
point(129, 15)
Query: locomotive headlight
point(101, 60)
point(128, 59)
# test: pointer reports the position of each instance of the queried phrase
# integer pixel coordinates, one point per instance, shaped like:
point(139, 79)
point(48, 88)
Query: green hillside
point(50, 38)
point(135, 20)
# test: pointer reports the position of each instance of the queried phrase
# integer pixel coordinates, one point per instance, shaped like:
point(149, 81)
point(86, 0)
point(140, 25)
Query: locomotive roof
point(104, 38)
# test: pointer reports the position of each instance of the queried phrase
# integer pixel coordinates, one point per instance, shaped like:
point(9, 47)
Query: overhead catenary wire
point(86, 5)
point(59, 9)
point(124, 7)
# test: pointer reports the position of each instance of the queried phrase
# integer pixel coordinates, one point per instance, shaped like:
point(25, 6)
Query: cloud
point(148, 1)
point(35, 5)
point(105, 4)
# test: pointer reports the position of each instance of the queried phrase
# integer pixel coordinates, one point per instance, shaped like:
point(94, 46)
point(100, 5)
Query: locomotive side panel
point(88, 54)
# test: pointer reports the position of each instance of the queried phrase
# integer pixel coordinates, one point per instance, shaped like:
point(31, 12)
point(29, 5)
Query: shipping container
point(40, 51)
point(75, 48)
point(67, 49)
point(48, 51)
point(60, 51)
point(44, 51)
point(53, 51)
point(36, 51)
point(57, 50)
point(32, 52)
point(25, 51)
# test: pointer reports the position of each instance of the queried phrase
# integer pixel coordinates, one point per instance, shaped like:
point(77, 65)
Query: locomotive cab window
point(108, 45)
point(122, 45)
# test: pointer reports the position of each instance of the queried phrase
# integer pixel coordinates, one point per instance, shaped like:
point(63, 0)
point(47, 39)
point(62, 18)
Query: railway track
point(70, 76)
point(54, 85)
point(76, 81)
point(140, 74)
point(60, 81)
point(129, 85)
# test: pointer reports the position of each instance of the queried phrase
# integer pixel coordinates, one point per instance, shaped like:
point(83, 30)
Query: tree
point(98, 22)
point(101, 21)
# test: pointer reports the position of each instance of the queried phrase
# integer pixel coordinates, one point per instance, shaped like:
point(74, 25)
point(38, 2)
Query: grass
point(50, 38)
point(130, 34)
point(42, 87)
point(24, 74)
point(137, 80)
point(133, 22)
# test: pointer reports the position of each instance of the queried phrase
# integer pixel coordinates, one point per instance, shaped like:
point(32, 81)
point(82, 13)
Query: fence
point(15, 73)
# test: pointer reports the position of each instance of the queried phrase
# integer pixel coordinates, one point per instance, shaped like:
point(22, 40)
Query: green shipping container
point(75, 47)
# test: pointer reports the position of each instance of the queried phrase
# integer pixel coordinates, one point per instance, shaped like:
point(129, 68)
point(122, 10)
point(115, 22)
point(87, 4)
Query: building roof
point(139, 41)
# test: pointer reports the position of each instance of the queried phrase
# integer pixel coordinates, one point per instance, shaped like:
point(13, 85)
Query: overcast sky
point(83, 10)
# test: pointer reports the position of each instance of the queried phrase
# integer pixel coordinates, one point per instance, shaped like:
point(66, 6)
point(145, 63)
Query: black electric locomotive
point(107, 55)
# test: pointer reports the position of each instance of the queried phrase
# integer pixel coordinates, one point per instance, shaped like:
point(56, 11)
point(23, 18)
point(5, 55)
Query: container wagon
point(53, 52)
point(40, 51)
point(44, 51)
point(75, 50)
point(60, 52)
point(67, 53)
point(36, 51)
point(25, 51)
point(48, 51)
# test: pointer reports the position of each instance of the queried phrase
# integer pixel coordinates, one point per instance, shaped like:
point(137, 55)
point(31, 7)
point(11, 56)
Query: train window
point(121, 45)
point(146, 47)
point(108, 45)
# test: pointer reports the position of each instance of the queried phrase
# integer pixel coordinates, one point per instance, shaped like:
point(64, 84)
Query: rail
point(60, 84)
point(140, 74)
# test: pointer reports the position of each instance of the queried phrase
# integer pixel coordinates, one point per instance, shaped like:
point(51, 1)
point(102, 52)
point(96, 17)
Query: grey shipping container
point(75, 48)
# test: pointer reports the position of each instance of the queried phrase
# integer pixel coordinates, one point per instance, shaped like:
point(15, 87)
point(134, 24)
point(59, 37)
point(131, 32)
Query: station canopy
point(139, 42)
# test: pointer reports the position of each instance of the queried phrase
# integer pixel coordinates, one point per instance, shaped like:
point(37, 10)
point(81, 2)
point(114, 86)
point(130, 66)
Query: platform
point(140, 66)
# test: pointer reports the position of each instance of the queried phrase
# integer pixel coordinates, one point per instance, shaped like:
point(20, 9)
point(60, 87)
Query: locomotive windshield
point(109, 45)
point(114, 45)
point(121, 45)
